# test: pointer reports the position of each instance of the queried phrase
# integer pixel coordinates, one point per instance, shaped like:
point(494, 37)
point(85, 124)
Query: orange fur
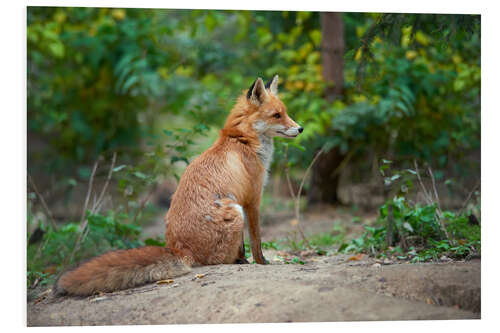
point(204, 225)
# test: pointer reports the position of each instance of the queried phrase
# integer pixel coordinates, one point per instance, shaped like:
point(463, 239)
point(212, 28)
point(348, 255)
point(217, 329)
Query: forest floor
point(331, 287)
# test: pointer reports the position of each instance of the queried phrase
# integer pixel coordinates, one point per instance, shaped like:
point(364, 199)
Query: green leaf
point(395, 177)
point(296, 145)
point(120, 167)
point(342, 247)
point(57, 49)
point(140, 175)
point(174, 159)
point(154, 242)
point(408, 226)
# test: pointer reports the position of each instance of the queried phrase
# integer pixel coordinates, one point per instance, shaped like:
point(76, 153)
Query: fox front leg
point(254, 231)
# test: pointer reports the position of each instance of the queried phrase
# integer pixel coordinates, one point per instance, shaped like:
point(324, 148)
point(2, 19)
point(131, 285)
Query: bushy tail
point(123, 269)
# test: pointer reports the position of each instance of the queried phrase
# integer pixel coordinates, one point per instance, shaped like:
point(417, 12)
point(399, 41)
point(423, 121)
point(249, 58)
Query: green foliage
point(99, 78)
point(417, 228)
point(419, 94)
point(329, 239)
point(103, 233)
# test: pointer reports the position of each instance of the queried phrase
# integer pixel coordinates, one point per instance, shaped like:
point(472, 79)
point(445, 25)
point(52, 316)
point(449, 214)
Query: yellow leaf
point(316, 36)
point(299, 85)
point(405, 38)
point(357, 257)
point(164, 281)
point(360, 31)
point(357, 57)
point(118, 14)
point(422, 38)
point(60, 17)
point(411, 54)
point(456, 59)
point(184, 71)
point(359, 98)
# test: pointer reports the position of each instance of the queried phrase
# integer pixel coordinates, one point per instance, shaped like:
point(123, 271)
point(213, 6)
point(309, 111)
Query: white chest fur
point(265, 153)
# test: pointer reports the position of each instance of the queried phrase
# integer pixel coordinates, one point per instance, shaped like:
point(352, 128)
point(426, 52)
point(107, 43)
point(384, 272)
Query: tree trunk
point(332, 53)
point(324, 180)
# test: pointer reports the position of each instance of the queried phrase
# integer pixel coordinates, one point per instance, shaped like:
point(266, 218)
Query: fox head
point(262, 113)
point(271, 118)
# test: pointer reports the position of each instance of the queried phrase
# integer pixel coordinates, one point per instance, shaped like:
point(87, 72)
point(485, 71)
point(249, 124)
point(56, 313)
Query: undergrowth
point(417, 234)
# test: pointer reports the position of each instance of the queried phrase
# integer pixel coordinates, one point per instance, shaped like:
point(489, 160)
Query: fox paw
point(263, 261)
point(241, 261)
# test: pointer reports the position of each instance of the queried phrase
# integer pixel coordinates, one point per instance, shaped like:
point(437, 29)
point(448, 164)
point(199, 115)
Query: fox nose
point(301, 129)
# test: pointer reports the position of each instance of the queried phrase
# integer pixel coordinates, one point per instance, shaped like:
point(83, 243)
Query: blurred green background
point(153, 86)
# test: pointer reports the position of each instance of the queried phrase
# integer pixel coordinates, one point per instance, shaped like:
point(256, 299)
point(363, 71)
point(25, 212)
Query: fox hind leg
point(228, 241)
point(241, 254)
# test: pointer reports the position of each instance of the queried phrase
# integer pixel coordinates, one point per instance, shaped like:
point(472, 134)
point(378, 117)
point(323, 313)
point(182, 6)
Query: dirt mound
point(323, 289)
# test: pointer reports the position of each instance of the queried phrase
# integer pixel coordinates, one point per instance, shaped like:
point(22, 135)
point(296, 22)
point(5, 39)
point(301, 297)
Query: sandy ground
point(324, 288)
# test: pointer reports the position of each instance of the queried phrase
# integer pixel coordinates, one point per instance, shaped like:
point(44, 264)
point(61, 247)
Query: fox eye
point(277, 115)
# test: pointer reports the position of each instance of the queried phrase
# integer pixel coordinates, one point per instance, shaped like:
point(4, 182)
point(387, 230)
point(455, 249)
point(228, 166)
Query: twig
point(89, 191)
point(430, 201)
point(468, 197)
point(435, 190)
point(42, 201)
point(287, 175)
point(296, 197)
point(143, 203)
point(297, 206)
point(440, 212)
point(427, 197)
point(97, 205)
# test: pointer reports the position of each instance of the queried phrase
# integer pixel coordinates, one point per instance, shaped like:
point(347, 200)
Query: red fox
point(218, 191)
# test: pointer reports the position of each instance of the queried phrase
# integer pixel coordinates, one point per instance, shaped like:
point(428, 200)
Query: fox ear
point(257, 93)
point(272, 85)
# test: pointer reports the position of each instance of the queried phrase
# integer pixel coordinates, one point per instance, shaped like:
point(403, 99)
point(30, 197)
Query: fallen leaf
point(387, 261)
point(357, 257)
point(164, 281)
point(307, 253)
point(97, 299)
point(199, 276)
